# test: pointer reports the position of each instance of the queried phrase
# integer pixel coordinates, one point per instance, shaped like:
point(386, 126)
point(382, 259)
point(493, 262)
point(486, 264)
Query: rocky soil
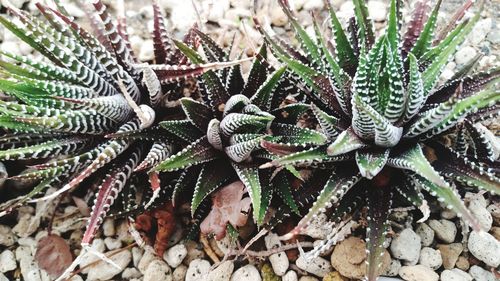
point(440, 248)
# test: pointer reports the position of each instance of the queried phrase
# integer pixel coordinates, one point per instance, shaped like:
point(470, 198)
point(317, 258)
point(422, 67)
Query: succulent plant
point(225, 134)
point(387, 118)
point(88, 111)
point(89, 114)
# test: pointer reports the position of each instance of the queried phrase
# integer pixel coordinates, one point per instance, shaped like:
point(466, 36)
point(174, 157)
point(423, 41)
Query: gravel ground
point(438, 249)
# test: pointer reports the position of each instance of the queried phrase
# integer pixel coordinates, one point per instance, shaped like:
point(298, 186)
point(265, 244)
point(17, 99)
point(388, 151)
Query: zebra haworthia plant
point(88, 111)
point(226, 132)
point(379, 102)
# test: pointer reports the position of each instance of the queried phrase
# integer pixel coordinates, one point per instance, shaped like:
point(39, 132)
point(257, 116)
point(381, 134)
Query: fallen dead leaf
point(227, 207)
point(53, 255)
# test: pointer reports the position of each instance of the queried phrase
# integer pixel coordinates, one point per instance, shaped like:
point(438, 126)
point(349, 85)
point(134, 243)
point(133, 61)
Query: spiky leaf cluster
point(226, 133)
point(89, 114)
point(88, 111)
point(379, 102)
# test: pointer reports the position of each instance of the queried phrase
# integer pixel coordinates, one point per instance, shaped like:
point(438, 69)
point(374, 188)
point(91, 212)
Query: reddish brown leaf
point(162, 47)
point(166, 226)
point(164, 219)
point(278, 148)
point(420, 15)
point(144, 222)
point(53, 255)
point(454, 20)
point(172, 73)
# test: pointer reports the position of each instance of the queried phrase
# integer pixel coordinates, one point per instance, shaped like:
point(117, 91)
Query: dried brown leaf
point(228, 206)
point(53, 255)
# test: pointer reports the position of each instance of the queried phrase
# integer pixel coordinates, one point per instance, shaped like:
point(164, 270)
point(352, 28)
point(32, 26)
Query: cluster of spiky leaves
point(90, 113)
point(227, 132)
point(379, 103)
point(90, 110)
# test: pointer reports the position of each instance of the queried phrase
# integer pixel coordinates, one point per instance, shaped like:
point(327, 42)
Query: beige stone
point(418, 273)
point(450, 253)
point(462, 263)
point(349, 256)
point(334, 276)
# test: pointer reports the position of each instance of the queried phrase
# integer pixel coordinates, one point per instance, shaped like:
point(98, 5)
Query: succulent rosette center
point(241, 129)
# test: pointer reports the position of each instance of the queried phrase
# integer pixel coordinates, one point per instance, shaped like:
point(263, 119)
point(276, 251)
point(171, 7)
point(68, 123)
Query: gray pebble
point(279, 261)
point(147, 258)
point(175, 255)
point(158, 270)
point(426, 234)
point(26, 225)
point(137, 255)
point(278, 18)
point(480, 274)
point(308, 278)
point(99, 246)
point(29, 268)
point(317, 266)
point(430, 257)
point(7, 261)
point(455, 275)
point(494, 36)
point(393, 268)
point(464, 55)
point(7, 237)
point(146, 52)
point(480, 31)
point(131, 273)
point(482, 214)
point(406, 246)
point(222, 272)
point(290, 276)
point(313, 5)
point(103, 271)
point(112, 243)
point(447, 213)
point(224, 244)
point(108, 227)
point(246, 273)
point(418, 273)
point(198, 270)
point(485, 247)
point(377, 10)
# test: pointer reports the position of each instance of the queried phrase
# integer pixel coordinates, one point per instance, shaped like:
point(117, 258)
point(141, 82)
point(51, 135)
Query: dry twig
point(109, 255)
